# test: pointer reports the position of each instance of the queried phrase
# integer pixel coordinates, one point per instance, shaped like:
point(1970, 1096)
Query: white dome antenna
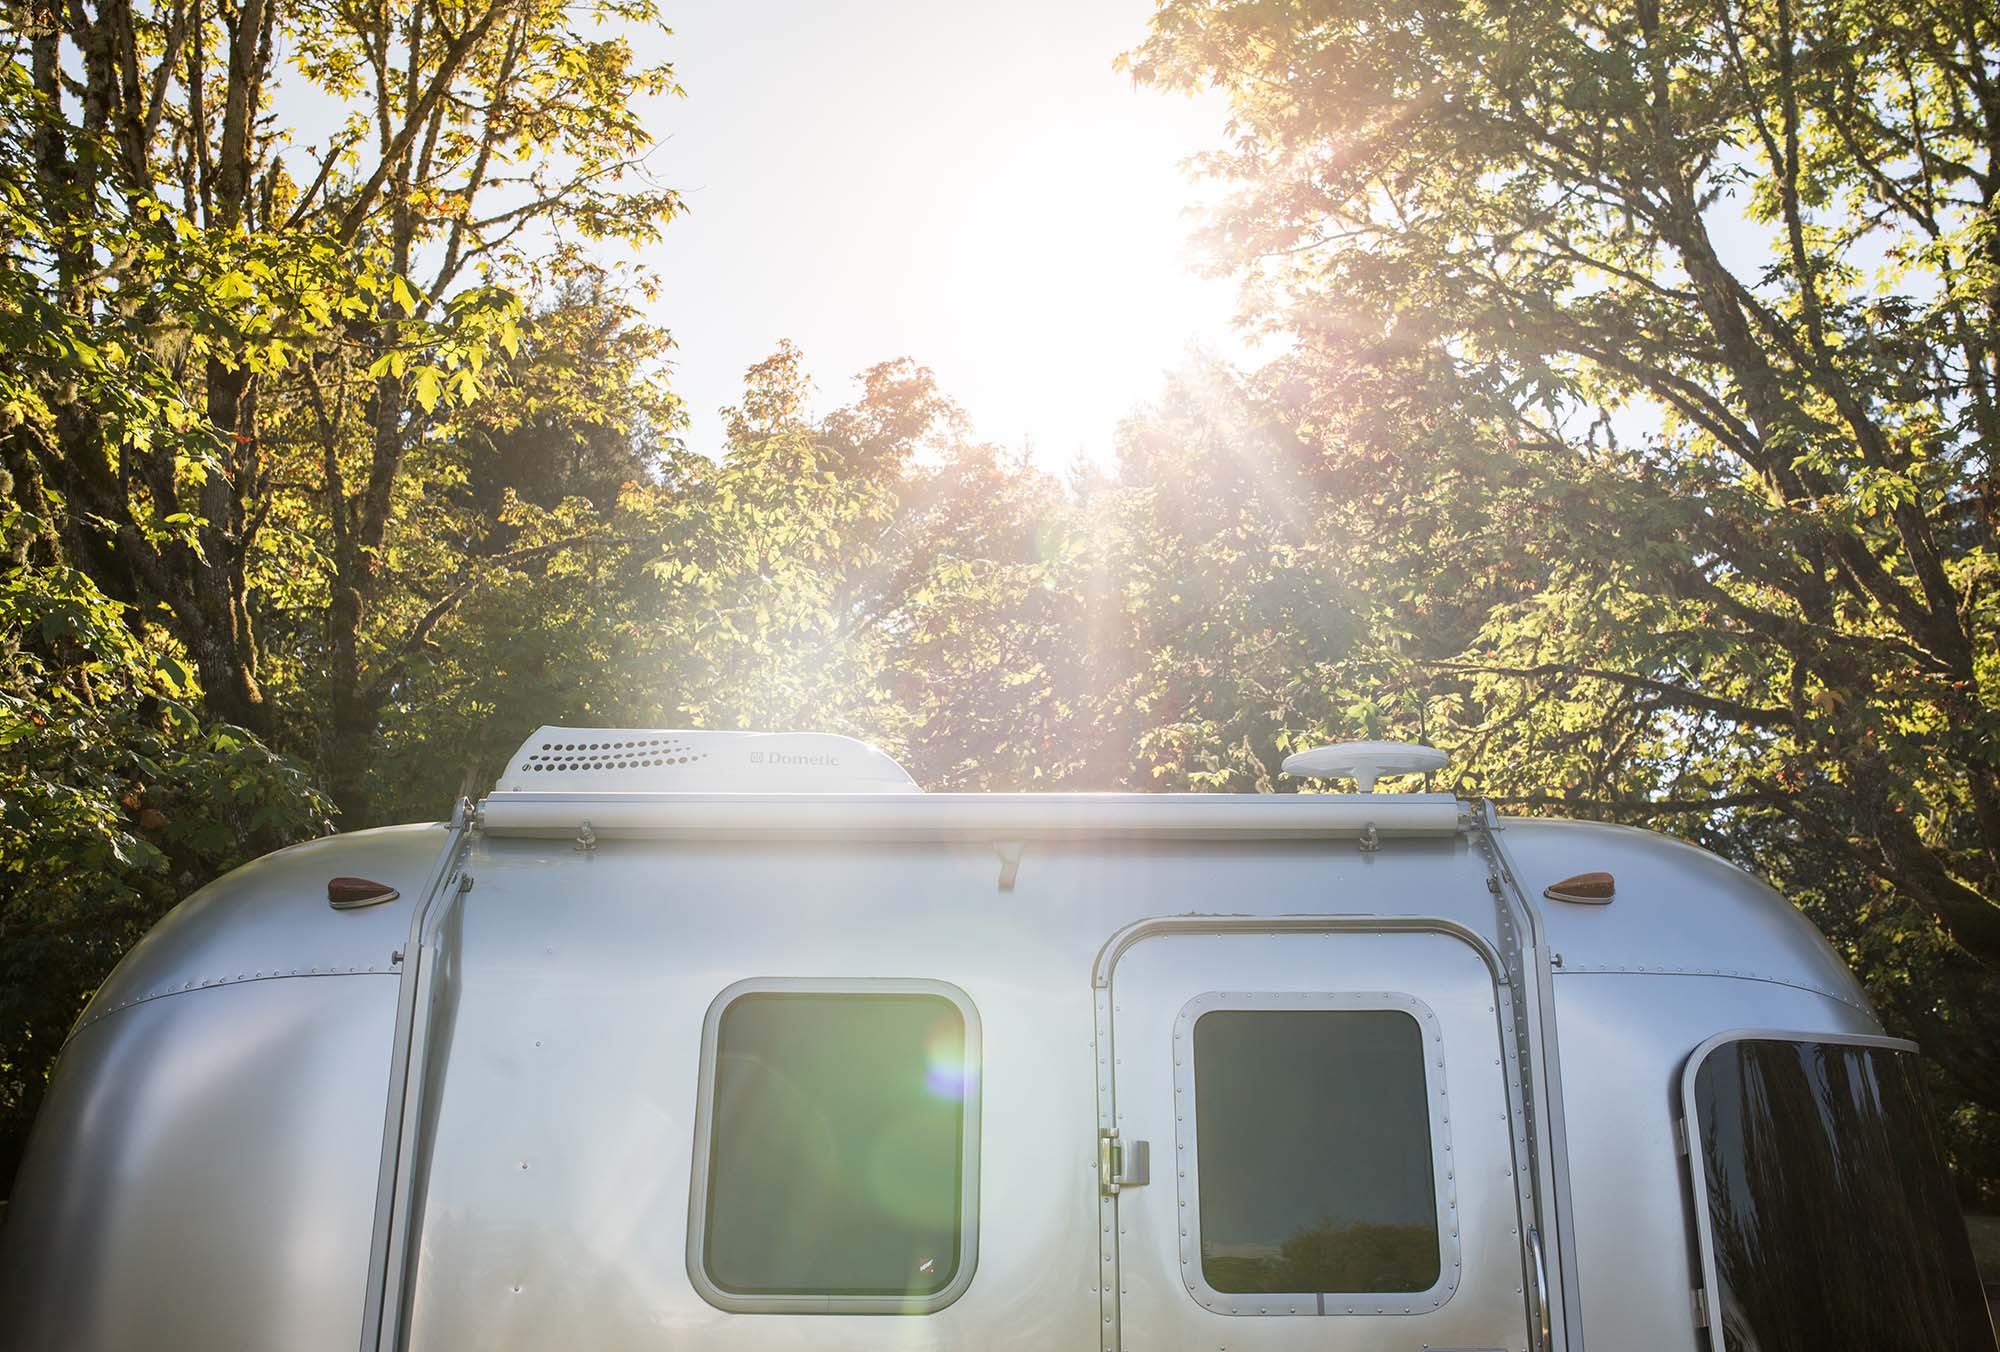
point(1365, 762)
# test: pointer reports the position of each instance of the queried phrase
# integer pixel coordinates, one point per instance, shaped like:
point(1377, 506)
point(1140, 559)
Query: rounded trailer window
point(1827, 1220)
point(836, 1148)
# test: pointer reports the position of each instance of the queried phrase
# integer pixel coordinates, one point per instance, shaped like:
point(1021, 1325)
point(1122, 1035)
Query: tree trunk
point(351, 709)
point(355, 705)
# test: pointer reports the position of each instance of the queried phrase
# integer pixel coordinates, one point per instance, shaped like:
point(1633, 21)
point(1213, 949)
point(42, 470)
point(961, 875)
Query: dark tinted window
point(835, 1157)
point(1835, 1228)
point(1313, 1146)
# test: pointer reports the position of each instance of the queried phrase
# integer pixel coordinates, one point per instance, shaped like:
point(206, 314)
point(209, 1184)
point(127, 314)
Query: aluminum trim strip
point(1549, 1144)
point(970, 816)
point(381, 1314)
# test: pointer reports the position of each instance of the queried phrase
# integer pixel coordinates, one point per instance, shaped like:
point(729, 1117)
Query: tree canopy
point(1653, 356)
point(1627, 430)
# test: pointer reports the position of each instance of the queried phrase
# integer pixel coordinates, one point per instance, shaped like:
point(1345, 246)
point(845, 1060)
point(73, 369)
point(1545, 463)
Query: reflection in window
point(836, 1149)
point(1834, 1224)
point(1313, 1145)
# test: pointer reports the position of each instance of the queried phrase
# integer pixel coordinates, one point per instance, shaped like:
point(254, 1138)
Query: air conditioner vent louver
point(675, 760)
point(633, 754)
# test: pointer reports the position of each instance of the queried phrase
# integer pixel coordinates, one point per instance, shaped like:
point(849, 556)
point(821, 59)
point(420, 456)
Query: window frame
point(1710, 1270)
point(1187, 1159)
point(704, 1125)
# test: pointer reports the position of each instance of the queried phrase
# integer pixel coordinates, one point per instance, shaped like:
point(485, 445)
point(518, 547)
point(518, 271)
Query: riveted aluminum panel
point(211, 1092)
point(1478, 1300)
point(1677, 909)
point(554, 1200)
point(202, 1175)
point(270, 918)
point(1626, 1039)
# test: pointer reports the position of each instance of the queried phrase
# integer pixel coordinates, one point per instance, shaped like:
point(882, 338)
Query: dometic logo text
point(825, 758)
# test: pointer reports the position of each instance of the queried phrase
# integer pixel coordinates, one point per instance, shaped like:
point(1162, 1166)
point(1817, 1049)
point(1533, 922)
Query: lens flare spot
point(945, 1072)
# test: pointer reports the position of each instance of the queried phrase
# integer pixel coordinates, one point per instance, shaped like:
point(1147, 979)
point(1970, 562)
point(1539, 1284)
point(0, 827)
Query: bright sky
point(971, 186)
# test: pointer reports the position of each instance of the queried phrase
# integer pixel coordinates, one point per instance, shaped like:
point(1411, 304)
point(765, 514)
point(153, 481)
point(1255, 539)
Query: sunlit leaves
point(243, 367)
point(1659, 414)
point(115, 798)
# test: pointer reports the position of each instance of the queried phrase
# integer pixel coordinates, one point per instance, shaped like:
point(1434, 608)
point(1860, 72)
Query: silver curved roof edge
point(970, 816)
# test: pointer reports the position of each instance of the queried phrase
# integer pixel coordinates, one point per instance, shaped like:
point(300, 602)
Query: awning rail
point(970, 816)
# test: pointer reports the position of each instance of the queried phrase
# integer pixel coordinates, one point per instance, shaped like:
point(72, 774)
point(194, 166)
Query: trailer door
point(1305, 1141)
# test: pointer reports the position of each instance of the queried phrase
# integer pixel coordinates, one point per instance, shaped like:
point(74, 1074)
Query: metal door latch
point(1121, 1164)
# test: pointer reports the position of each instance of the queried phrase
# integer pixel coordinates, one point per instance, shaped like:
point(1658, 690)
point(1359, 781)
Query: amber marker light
point(349, 894)
point(1587, 889)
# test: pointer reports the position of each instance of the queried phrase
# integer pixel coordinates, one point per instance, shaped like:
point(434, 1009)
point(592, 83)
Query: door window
point(1314, 1123)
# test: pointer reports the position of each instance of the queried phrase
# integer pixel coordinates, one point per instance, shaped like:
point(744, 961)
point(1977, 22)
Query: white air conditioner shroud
point(679, 760)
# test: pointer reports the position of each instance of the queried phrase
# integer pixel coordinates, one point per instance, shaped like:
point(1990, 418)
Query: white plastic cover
point(1364, 762)
point(680, 760)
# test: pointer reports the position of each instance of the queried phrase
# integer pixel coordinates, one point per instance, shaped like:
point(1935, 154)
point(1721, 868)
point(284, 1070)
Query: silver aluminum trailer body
point(478, 1115)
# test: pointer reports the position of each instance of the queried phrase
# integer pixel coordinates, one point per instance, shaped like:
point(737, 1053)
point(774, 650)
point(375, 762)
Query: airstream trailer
point(719, 1041)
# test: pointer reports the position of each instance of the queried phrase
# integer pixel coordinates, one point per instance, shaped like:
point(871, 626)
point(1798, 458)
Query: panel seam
point(1606, 969)
point(214, 983)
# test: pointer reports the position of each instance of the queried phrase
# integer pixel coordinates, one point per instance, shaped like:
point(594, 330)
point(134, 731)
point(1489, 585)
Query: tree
point(745, 590)
point(531, 471)
point(1668, 333)
point(240, 321)
point(116, 799)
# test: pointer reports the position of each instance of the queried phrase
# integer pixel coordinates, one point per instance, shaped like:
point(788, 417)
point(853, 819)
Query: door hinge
point(1121, 1164)
point(1700, 1297)
point(1681, 1135)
